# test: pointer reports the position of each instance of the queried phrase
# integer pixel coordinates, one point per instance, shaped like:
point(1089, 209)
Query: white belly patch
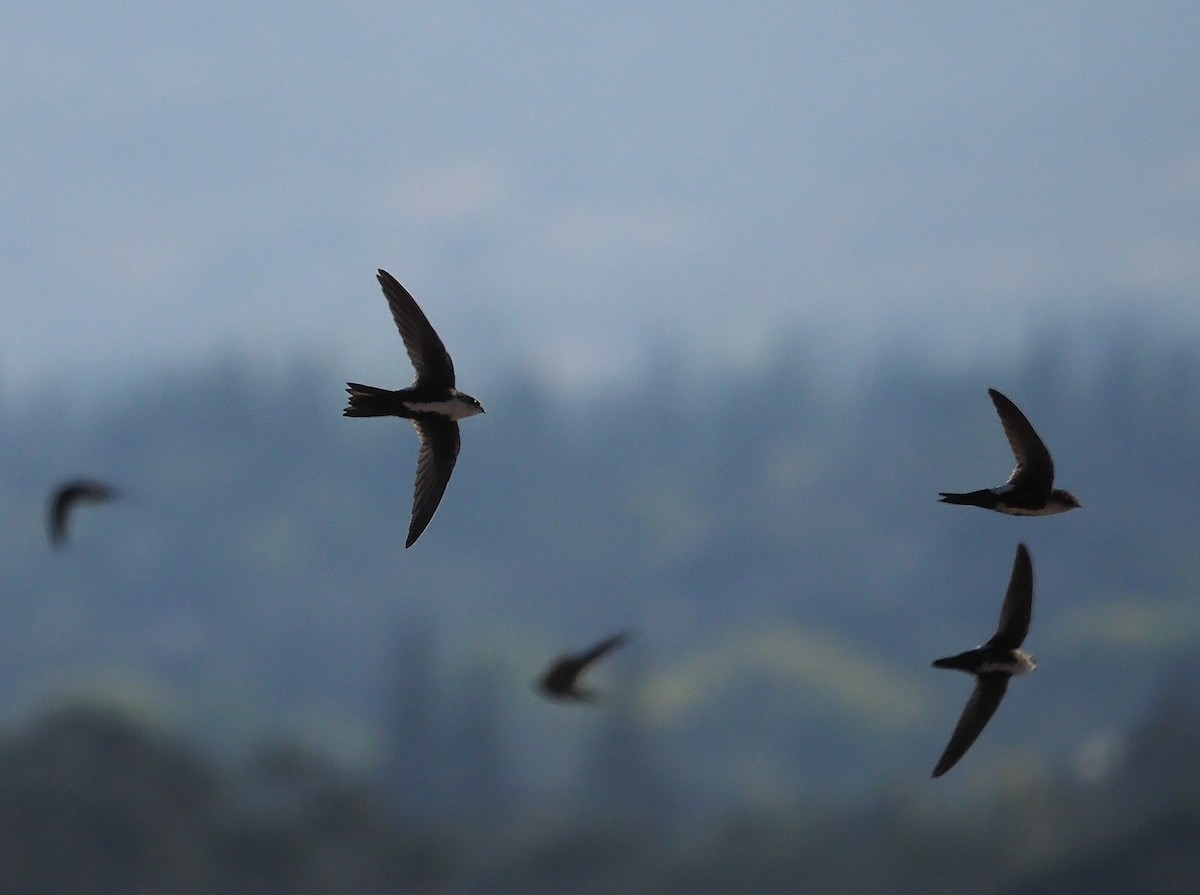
point(443, 408)
point(455, 408)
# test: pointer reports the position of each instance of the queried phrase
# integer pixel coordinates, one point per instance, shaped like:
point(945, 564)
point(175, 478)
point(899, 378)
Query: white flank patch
point(1049, 510)
point(453, 408)
point(1020, 663)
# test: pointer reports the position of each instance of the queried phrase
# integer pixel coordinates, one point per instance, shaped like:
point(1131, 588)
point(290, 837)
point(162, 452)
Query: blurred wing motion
point(601, 649)
point(561, 679)
point(64, 500)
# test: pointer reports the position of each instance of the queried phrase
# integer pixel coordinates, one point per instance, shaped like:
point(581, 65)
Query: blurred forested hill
point(772, 538)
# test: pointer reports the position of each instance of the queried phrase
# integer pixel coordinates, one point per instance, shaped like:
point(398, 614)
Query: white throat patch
point(455, 408)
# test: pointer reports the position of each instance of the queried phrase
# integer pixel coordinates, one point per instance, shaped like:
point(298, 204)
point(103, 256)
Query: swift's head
point(1060, 501)
point(465, 405)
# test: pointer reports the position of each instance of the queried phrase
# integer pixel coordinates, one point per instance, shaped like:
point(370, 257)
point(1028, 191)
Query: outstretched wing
point(1018, 604)
point(1034, 470)
point(985, 699)
point(428, 355)
point(602, 648)
point(435, 463)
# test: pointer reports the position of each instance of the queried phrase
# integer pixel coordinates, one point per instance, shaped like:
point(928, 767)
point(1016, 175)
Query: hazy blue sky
point(556, 183)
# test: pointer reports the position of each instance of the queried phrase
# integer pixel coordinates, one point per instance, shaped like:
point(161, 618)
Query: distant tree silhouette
point(478, 783)
point(261, 542)
point(621, 773)
point(1160, 765)
point(92, 801)
point(411, 759)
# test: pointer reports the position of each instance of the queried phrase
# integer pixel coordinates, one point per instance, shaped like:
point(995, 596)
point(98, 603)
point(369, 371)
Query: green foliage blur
point(772, 538)
point(95, 800)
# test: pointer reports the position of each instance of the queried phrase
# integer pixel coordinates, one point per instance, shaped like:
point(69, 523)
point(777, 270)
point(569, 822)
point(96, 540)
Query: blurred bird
point(1030, 489)
point(432, 403)
point(64, 499)
point(993, 663)
point(560, 680)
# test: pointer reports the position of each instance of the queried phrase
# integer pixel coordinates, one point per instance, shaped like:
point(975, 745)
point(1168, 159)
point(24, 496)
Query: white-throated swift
point(432, 403)
point(1030, 489)
point(993, 663)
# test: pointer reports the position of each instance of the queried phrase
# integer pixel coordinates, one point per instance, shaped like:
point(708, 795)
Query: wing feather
point(1017, 611)
point(429, 357)
point(435, 462)
point(984, 701)
point(1035, 469)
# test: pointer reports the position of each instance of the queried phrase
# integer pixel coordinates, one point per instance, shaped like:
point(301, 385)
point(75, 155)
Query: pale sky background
point(559, 184)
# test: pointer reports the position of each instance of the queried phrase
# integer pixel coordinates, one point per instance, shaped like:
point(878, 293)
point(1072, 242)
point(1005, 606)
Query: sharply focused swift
point(432, 403)
point(1030, 489)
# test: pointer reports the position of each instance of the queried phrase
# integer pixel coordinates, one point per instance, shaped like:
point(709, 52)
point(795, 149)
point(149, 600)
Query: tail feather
point(961, 662)
point(367, 400)
point(982, 498)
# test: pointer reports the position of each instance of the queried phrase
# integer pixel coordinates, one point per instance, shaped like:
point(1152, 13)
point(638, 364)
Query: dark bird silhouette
point(66, 497)
point(432, 403)
point(993, 663)
point(1030, 489)
point(561, 679)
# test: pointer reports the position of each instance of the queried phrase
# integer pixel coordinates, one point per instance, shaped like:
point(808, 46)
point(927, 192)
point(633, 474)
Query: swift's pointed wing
point(984, 701)
point(435, 463)
point(602, 648)
point(428, 355)
point(1034, 470)
point(1018, 604)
